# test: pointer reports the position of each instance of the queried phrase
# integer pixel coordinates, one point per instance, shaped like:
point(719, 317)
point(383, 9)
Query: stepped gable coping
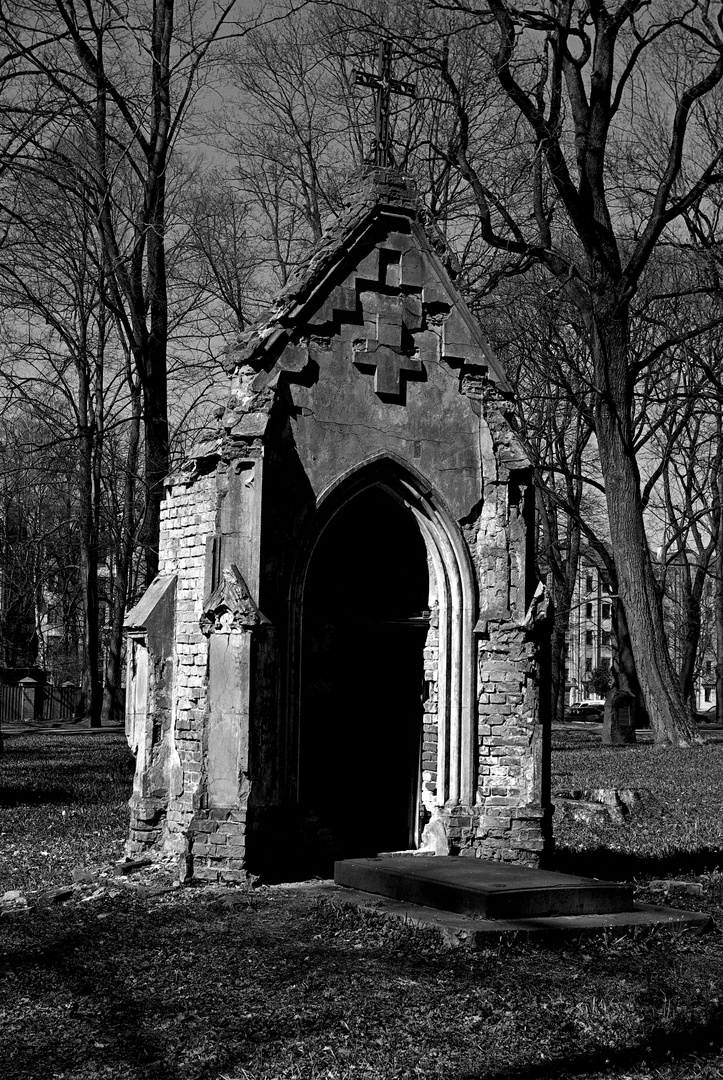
point(379, 192)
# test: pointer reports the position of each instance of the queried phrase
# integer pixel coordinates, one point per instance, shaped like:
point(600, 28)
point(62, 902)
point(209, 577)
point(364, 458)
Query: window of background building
point(708, 667)
point(588, 583)
point(606, 637)
point(588, 610)
point(588, 663)
point(605, 663)
point(706, 693)
point(606, 611)
point(588, 637)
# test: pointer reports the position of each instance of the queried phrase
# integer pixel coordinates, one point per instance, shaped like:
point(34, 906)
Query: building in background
point(591, 643)
point(589, 637)
point(676, 581)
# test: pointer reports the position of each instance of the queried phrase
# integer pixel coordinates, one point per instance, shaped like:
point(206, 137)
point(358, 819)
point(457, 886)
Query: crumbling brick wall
point(187, 518)
point(369, 355)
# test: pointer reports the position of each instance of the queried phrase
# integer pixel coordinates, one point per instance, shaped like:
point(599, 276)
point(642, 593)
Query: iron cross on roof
point(385, 86)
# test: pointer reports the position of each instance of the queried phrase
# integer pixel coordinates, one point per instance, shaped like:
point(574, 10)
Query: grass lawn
point(143, 980)
point(63, 804)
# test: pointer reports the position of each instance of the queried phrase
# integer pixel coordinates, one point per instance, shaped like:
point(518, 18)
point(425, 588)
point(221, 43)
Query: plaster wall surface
point(340, 421)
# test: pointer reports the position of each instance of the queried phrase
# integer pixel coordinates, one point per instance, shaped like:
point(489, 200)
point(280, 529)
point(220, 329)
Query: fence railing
point(29, 702)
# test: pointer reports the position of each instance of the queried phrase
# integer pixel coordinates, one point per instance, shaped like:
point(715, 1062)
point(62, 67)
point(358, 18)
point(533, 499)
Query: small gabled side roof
point(138, 618)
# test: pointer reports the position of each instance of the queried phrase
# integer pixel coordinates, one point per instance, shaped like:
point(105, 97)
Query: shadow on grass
point(141, 1007)
point(673, 1048)
point(76, 768)
point(34, 795)
point(601, 862)
point(101, 1013)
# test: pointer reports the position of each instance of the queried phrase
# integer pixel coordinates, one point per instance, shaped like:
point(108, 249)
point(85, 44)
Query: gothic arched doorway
point(364, 629)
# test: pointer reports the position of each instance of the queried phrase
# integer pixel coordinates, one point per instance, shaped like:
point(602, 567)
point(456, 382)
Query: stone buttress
point(366, 438)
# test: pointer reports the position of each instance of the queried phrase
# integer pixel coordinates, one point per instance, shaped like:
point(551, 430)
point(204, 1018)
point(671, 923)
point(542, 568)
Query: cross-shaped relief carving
point(385, 353)
point(387, 312)
point(390, 366)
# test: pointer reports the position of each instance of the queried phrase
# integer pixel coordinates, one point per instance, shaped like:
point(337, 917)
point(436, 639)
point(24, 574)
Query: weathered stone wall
point(387, 365)
point(187, 518)
point(513, 820)
point(510, 818)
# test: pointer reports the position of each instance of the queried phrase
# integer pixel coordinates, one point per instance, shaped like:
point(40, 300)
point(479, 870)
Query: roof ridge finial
point(384, 85)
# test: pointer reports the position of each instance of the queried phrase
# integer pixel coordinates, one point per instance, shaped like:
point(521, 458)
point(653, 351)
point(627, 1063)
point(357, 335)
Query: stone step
point(482, 889)
point(475, 933)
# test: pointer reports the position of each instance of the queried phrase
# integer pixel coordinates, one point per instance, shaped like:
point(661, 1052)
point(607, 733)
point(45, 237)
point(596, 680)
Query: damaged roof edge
point(338, 244)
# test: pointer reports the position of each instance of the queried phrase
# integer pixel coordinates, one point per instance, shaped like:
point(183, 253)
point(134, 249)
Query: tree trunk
point(139, 284)
point(560, 607)
point(689, 642)
point(87, 532)
point(562, 594)
point(155, 385)
point(560, 564)
point(625, 677)
point(719, 603)
point(157, 459)
point(124, 559)
point(670, 718)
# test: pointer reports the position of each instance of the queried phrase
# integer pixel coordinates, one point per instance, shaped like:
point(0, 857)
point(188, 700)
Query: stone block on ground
point(56, 896)
point(129, 866)
point(13, 896)
point(83, 876)
point(691, 888)
point(481, 888)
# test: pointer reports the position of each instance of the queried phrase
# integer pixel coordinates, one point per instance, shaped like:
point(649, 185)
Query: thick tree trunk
point(670, 718)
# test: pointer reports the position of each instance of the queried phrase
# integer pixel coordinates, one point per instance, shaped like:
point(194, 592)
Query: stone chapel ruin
point(340, 654)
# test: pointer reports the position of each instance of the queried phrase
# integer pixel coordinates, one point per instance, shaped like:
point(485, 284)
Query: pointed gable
point(382, 241)
point(376, 297)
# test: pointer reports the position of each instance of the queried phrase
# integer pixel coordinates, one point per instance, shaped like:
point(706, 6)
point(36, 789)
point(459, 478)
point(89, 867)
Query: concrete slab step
point(462, 930)
point(482, 889)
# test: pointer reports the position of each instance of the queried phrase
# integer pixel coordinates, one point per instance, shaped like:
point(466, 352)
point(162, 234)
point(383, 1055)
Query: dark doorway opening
point(364, 632)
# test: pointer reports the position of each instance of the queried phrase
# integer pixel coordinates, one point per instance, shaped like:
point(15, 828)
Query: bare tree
point(544, 147)
point(123, 78)
point(575, 74)
point(59, 336)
